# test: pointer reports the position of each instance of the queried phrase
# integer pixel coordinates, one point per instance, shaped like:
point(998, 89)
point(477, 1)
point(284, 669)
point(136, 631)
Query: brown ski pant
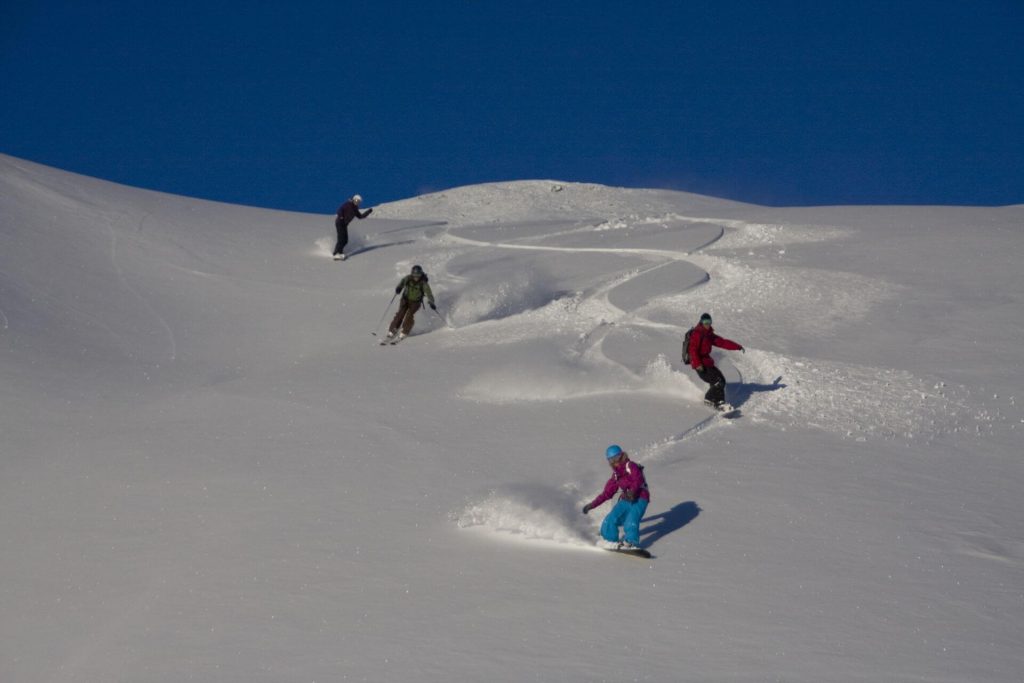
point(404, 318)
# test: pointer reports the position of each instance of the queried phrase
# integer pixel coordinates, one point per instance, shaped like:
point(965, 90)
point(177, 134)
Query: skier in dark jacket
point(414, 288)
point(346, 212)
point(702, 339)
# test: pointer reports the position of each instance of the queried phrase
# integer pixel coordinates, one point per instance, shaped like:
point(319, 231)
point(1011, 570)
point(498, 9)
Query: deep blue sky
point(295, 105)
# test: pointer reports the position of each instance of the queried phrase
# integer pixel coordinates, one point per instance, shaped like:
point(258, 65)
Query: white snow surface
point(211, 471)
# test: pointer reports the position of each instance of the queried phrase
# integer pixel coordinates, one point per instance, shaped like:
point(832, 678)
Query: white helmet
point(357, 199)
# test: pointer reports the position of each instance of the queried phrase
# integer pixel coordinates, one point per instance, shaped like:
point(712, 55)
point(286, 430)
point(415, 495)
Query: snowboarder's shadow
point(430, 224)
point(661, 525)
point(740, 393)
point(365, 248)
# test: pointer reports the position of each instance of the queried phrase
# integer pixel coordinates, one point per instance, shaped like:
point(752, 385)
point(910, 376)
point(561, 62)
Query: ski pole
point(443, 319)
point(377, 329)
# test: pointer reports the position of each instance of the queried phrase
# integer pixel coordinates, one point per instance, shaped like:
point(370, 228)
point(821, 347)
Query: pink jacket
point(627, 476)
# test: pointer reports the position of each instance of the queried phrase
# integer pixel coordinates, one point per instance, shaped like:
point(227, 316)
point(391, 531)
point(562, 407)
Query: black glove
point(432, 306)
point(398, 289)
point(743, 350)
point(369, 211)
point(586, 509)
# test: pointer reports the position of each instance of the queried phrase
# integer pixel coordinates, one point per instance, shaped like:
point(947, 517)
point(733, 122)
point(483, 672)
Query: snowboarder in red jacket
point(702, 339)
point(346, 212)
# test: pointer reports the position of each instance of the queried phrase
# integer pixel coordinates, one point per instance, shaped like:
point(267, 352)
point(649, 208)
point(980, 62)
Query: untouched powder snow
point(211, 470)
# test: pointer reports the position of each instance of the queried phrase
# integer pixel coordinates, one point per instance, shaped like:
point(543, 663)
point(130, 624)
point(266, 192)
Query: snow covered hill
point(211, 470)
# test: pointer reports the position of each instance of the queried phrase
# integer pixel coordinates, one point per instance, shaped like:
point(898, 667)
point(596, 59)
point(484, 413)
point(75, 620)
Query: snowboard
point(725, 410)
point(635, 552)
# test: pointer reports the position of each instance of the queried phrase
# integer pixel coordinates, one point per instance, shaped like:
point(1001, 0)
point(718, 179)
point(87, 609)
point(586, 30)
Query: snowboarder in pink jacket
point(632, 504)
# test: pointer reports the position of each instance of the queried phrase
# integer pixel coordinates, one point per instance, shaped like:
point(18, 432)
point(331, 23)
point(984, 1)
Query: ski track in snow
point(852, 401)
point(847, 400)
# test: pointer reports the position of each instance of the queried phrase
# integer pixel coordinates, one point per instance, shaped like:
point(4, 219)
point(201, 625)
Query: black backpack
point(686, 346)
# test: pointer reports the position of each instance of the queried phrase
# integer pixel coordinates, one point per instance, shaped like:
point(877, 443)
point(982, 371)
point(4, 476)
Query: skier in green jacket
point(414, 288)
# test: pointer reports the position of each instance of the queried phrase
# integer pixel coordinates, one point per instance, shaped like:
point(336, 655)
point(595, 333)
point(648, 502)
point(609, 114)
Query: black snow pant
point(342, 228)
point(714, 377)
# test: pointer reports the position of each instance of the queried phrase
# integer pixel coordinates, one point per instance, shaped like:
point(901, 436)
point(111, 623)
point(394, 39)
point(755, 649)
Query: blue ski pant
point(627, 515)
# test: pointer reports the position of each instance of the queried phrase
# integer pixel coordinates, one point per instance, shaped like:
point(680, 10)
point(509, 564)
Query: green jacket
point(415, 290)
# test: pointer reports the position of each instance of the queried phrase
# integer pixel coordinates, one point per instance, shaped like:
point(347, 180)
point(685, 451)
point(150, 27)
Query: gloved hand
point(743, 350)
point(628, 495)
point(432, 306)
point(586, 509)
point(369, 211)
point(398, 289)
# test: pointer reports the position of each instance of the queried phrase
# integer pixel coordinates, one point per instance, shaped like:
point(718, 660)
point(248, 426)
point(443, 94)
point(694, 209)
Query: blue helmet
point(612, 451)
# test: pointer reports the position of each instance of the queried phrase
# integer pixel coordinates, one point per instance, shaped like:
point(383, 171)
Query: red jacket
point(701, 340)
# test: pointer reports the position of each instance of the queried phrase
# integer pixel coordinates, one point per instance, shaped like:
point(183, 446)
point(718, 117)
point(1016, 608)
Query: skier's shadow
point(740, 393)
point(668, 521)
point(373, 247)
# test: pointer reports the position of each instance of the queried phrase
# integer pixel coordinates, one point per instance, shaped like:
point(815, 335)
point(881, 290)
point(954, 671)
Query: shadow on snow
point(374, 247)
point(740, 393)
point(661, 525)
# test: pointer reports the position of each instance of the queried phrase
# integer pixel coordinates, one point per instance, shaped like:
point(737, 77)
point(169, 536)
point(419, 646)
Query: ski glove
point(432, 306)
point(368, 212)
point(586, 509)
point(398, 289)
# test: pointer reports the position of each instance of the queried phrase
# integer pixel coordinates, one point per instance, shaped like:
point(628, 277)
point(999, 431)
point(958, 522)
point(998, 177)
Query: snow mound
point(530, 200)
point(855, 401)
point(493, 299)
point(774, 304)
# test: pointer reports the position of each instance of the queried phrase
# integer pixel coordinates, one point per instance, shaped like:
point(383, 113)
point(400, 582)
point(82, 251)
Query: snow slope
point(211, 471)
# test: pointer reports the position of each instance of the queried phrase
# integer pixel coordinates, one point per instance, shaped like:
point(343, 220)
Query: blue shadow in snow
point(374, 247)
point(739, 393)
point(661, 525)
